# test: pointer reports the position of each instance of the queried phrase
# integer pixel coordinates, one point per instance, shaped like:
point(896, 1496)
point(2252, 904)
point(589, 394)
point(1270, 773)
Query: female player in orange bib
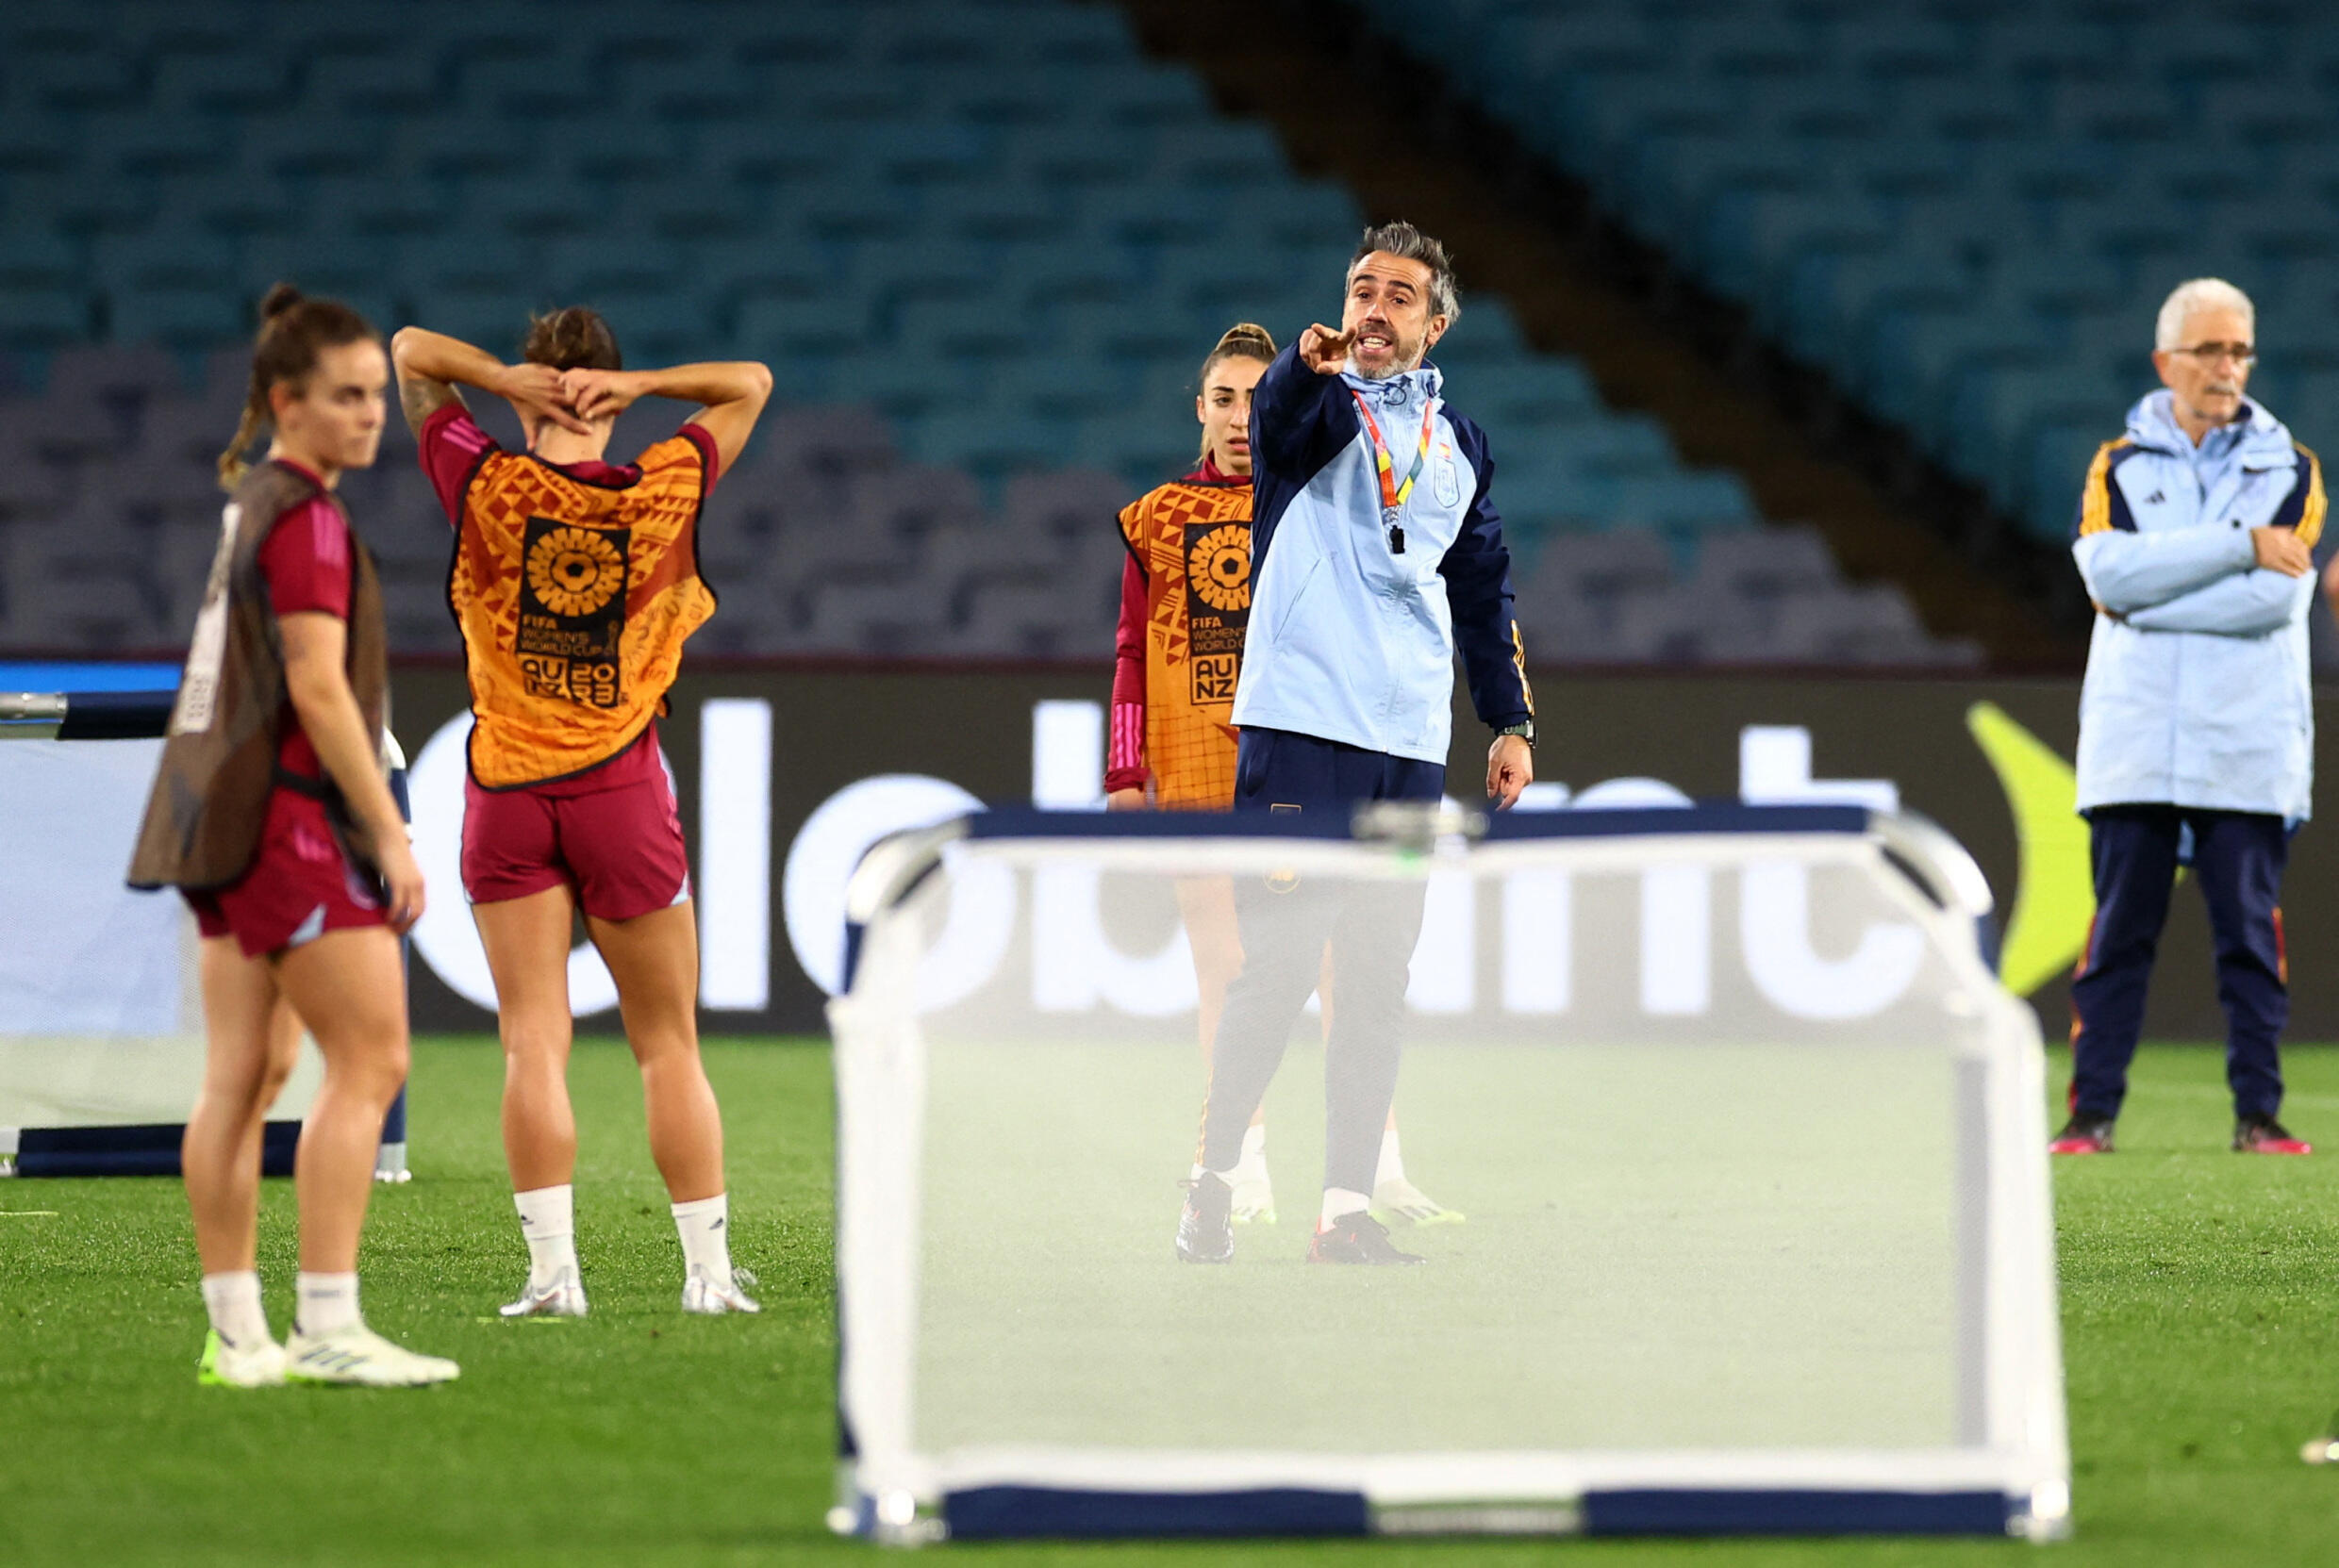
point(576, 583)
point(272, 813)
point(1185, 604)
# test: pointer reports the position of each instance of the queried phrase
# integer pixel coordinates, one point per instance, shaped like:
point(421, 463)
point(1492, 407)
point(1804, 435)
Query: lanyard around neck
point(1393, 493)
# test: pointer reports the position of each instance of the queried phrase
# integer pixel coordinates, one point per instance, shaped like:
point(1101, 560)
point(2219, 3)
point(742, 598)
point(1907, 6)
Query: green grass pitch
point(2201, 1313)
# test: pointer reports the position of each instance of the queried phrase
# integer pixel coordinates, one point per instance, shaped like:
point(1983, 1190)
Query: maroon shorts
point(620, 848)
point(299, 885)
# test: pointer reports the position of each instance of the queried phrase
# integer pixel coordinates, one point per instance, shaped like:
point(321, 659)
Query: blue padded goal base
point(144, 1150)
point(1003, 1512)
point(1008, 1511)
point(1673, 1511)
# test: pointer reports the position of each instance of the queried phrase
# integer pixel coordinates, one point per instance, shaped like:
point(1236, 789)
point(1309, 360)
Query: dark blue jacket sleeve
point(1299, 420)
point(1478, 587)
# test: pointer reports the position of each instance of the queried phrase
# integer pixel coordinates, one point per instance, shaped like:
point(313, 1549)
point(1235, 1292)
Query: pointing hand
point(1324, 351)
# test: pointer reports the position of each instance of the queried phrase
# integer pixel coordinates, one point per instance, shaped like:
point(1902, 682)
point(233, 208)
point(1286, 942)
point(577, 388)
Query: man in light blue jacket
point(2197, 732)
point(1377, 557)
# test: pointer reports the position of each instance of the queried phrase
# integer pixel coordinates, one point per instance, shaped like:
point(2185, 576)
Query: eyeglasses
point(2243, 354)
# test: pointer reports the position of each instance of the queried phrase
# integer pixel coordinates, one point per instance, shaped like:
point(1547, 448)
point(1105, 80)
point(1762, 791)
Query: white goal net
point(1743, 1139)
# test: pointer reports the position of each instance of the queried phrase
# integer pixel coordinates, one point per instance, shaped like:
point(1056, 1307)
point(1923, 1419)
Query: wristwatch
point(1524, 730)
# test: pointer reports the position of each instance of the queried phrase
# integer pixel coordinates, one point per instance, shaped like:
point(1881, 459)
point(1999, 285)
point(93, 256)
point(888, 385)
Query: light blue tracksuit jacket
point(2197, 692)
point(1351, 641)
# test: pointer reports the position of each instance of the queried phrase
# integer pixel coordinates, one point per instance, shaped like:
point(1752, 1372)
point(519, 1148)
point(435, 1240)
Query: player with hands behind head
point(576, 583)
point(272, 813)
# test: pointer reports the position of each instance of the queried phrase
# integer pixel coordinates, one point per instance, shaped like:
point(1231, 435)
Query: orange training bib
point(574, 598)
point(1193, 540)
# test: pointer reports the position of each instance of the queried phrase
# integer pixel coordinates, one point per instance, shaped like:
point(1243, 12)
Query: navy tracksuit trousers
point(1285, 921)
point(2238, 858)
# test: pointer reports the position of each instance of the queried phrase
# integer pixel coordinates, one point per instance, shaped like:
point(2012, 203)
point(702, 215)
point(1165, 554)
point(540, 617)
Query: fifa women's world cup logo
point(574, 570)
point(572, 611)
point(1218, 606)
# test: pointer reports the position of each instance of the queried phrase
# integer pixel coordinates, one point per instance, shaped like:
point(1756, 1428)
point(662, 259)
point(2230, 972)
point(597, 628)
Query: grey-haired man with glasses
point(2196, 536)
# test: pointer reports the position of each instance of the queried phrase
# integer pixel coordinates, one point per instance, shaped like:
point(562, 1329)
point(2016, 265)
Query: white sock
point(234, 1302)
point(1393, 1166)
point(1339, 1204)
point(1253, 1161)
point(327, 1301)
point(705, 1225)
point(548, 1223)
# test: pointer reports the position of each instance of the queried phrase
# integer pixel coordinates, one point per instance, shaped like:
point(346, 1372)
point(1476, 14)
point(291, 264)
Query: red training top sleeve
point(1124, 758)
point(451, 446)
point(697, 436)
point(304, 562)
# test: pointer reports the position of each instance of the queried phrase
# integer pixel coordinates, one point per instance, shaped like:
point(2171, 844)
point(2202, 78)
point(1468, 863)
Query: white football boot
point(1254, 1196)
point(358, 1357)
point(703, 1294)
point(562, 1296)
point(226, 1365)
point(1407, 1204)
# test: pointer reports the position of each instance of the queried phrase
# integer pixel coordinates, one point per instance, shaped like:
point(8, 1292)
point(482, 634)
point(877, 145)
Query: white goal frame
point(2014, 1479)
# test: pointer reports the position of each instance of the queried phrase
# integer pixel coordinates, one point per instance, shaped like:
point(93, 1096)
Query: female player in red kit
point(576, 583)
point(273, 814)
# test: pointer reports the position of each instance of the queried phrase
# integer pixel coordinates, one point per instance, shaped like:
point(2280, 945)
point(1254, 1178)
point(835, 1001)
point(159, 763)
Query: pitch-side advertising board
point(784, 777)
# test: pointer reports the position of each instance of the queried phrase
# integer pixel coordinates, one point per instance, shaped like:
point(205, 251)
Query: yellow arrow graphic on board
point(2055, 894)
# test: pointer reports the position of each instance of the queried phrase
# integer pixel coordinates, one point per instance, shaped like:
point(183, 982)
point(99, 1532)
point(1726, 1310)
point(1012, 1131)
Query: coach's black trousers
point(2238, 858)
point(1284, 922)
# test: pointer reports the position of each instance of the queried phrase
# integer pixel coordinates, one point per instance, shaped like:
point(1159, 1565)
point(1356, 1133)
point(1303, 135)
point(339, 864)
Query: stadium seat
point(1062, 501)
point(458, 146)
point(1146, 451)
point(229, 81)
point(131, 262)
point(988, 444)
point(994, 237)
point(80, 74)
point(378, 205)
point(689, 90)
point(1766, 563)
point(2104, 151)
point(629, 264)
point(177, 314)
point(40, 318)
point(388, 83)
point(789, 329)
point(836, 439)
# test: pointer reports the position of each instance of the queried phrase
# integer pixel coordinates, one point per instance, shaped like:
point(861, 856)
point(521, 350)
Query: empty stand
point(982, 247)
point(1968, 214)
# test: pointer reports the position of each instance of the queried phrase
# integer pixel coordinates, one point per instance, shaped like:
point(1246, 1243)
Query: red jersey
point(304, 562)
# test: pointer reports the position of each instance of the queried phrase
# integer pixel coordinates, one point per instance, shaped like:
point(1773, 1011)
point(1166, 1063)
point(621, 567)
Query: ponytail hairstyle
point(575, 338)
point(1243, 340)
point(294, 329)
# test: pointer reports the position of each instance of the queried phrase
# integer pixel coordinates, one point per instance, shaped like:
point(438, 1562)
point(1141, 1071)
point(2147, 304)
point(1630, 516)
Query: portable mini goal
point(1749, 1139)
point(101, 1012)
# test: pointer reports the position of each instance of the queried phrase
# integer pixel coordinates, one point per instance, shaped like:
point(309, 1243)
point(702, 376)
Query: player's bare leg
point(351, 984)
point(654, 960)
point(350, 987)
point(1207, 906)
point(527, 946)
point(250, 1039)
